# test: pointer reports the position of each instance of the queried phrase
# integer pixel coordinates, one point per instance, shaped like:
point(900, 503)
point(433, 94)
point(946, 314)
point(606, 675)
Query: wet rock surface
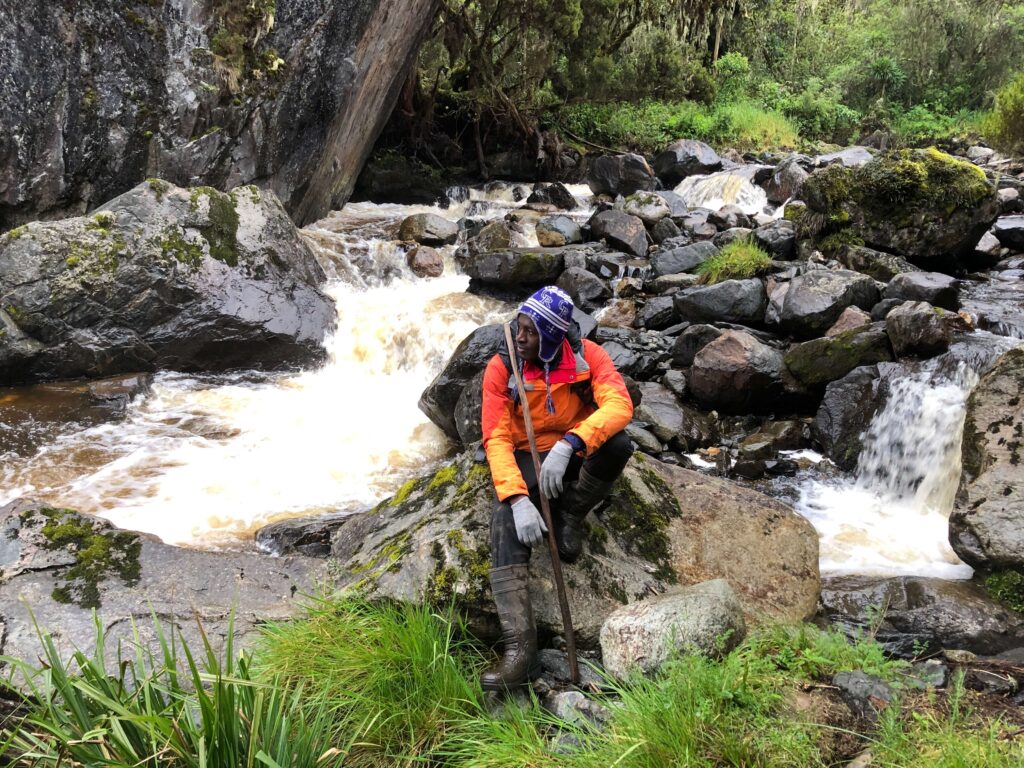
point(56, 566)
point(162, 277)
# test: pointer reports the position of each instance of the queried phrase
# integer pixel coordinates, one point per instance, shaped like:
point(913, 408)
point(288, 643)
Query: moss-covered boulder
point(815, 363)
point(160, 277)
point(662, 525)
point(58, 566)
point(922, 204)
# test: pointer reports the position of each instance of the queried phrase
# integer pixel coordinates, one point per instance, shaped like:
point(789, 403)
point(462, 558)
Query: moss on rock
point(221, 229)
point(99, 553)
point(1007, 586)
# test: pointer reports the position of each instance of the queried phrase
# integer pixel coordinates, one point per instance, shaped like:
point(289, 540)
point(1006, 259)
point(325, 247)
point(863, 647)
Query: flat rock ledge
point(58, 566)
point(662, 526)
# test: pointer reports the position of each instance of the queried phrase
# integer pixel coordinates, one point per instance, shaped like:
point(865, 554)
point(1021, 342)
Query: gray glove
point(530, 526)
point(552, 471)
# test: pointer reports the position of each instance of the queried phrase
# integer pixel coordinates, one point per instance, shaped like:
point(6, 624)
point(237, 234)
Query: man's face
point(527, 339)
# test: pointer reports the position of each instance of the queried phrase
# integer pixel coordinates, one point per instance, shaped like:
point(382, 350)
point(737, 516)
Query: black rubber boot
point(582, 496)
point(519, 663)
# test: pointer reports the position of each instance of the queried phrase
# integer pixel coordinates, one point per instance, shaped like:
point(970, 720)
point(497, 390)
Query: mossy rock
point(921, 204)
point(817, 362)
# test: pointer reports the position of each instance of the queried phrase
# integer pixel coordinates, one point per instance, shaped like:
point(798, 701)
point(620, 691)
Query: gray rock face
point(691, 341)
point(140, 575)
point(1009, 230)
point(987, 526)
point(916, 328)
point(99, 98)
point(620, 230)
point(934, 287)
point(553, 194)
point(662, 525)
point(424, 261)
point(778, 239)
point(587, 290)
point(846, 411)
point(675, 260)
point(881, 266)
point(162, 277)
point(661, 410)
point(648, 207)
point(731, 301)
point(554, 231)
point(852, 317)
point(686, 157)
point(786, 180)
point(851, 157)
point(516, 266)
point(817, 362)
point(439, 399)
point(937, 614)
point(815, 299)
point(658, 312)
point(428, 229)
point(620, 175)
point(704, 618)
point(736, 373)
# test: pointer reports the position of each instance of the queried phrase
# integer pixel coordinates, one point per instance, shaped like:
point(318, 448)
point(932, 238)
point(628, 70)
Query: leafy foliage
point(1006, 124)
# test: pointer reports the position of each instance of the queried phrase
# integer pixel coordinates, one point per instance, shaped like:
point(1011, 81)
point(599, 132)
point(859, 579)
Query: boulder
point(619, 313)
point(620, 175)
point(881, 266)
point(918, 329)
point(684, 259)
point(620, 230)
point(439, 399)
point(553, 194)
point(648, 207)
point(731, 301)
point(705, 618)
point(658, 312)
point(817, 362)
point(815, 299)
point(428, 229)
point(846, 411)
point(468, 409)
point(921, 204)
point(786, 180)
point(661, 526)
point(934, 287)
point(732, 235)
point(851, 157)
point(852, 317)
point(161, 277)
point(57, 566)
point(554, 231)
point(587, 290)
point(494, 236)
point(988, 250)
point(290, 96)
point(882, 309)
point(737, 373)
point(778, 239)
point(987, 525)
point(1009, 231)
point(691, 341)
point(922, 615)
point(665, 230)
point(517, 266)
point(730, 216)
point(686, 157)
point(1010, 201)
point(661, 411)
point(424, 261)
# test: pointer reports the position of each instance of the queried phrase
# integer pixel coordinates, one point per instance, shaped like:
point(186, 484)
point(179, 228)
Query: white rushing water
point(891, 518)
point(205, 460)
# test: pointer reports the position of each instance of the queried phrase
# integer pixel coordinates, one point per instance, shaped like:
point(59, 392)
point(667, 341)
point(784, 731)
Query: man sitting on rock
point(579, 406)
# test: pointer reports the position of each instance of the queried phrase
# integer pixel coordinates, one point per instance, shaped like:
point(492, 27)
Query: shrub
point(738, 260)
point(732, 73)
point(1005, 125)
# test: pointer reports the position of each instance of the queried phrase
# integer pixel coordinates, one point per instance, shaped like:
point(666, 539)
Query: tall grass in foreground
point(167, 710)
point(401, 678)
point(360, 684)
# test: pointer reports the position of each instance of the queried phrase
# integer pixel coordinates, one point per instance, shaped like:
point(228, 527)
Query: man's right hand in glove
point(530, 526)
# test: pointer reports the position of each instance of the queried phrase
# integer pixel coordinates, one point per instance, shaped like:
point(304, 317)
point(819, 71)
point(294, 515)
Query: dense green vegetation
point(750, 74)
point(356, 684)
point(737, 260)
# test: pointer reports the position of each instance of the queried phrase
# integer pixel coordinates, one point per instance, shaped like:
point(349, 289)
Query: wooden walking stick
point(545, 508)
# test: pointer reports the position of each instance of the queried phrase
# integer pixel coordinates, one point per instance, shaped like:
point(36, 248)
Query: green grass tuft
point(738, 260)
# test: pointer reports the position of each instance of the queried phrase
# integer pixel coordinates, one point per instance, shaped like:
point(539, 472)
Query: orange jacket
point(504, 430)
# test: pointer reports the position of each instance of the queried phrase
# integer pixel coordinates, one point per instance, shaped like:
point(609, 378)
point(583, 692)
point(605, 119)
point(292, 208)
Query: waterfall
point(721, 189)
point(205, 460)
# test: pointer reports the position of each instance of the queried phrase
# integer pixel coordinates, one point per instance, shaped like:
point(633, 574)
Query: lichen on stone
point(98, 551)
point(159, 187)
point(221, 229)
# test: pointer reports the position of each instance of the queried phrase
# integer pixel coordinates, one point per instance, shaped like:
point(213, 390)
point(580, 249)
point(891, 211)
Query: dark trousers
point(606, 463)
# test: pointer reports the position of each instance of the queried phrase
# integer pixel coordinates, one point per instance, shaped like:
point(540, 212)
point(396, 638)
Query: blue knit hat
point(550, 309)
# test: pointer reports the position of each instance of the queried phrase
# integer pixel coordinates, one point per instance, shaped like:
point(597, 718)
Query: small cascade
point(720, 189)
